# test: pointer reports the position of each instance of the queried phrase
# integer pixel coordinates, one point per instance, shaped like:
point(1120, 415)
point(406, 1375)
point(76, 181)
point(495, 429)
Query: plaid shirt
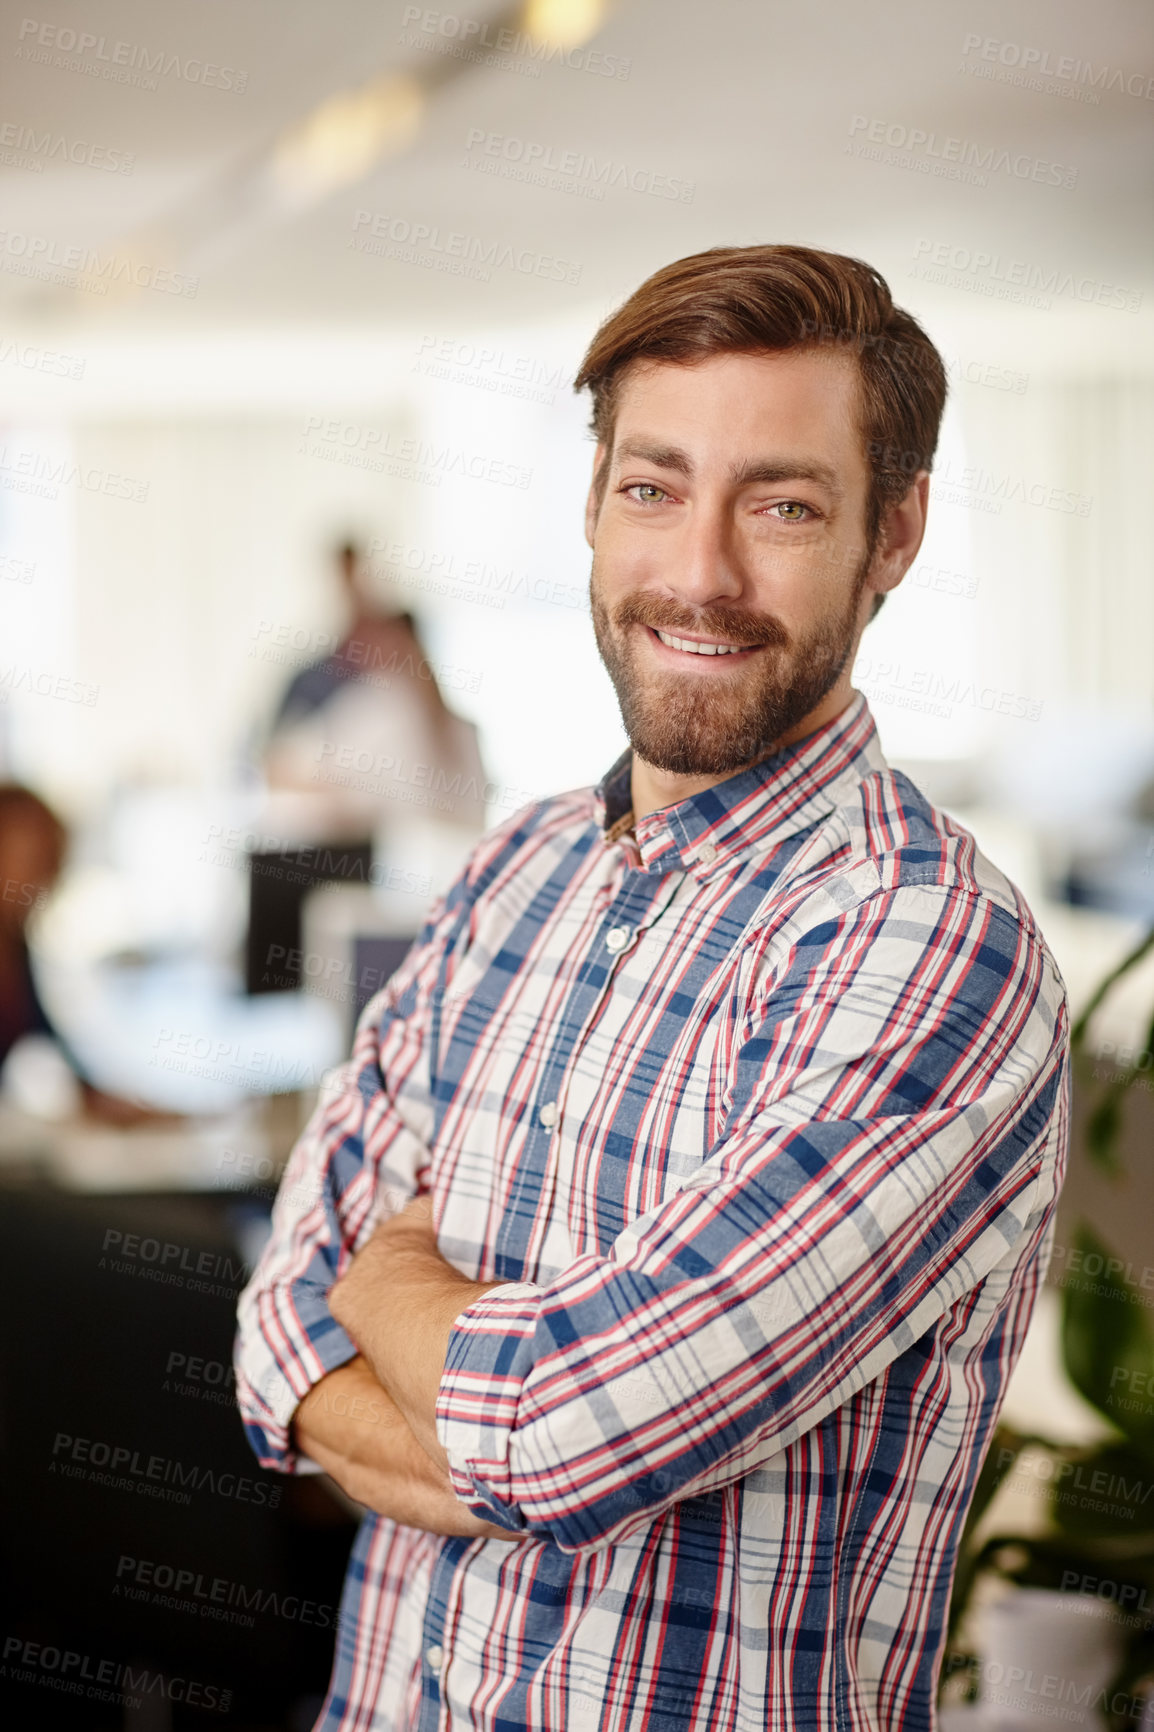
point(759, 1109)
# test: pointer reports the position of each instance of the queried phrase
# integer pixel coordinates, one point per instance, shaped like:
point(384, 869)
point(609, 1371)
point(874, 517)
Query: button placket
point(442, 1606)
point(570, 1036)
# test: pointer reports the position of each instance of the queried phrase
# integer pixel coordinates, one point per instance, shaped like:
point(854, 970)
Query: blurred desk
point(225, 1152)
point(121, 1256)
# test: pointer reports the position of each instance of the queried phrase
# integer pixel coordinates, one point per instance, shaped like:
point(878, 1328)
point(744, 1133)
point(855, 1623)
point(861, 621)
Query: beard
point(717, 724)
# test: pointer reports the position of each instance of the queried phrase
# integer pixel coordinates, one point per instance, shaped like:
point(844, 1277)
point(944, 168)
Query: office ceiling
point(746, 113)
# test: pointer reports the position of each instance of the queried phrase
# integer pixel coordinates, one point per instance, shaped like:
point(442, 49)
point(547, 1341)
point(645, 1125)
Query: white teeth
point(700, 649)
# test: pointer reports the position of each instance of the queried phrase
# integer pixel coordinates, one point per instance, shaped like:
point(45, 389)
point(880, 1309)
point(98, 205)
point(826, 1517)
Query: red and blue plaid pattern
point(759, 1110)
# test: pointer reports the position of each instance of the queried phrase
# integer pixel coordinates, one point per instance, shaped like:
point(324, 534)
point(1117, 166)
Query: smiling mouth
point(698, 647)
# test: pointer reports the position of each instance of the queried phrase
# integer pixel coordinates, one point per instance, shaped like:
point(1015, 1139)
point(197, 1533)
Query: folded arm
point(363, 1153)
point(356, 1433)
point(890, 1142)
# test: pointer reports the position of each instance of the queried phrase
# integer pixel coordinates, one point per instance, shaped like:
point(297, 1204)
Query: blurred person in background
point(655, 1270)
point(33, 842)
point(368, 726)
point(33, 846)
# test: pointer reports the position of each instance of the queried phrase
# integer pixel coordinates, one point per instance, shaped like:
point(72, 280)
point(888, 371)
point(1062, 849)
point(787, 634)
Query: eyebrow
point(754, 469)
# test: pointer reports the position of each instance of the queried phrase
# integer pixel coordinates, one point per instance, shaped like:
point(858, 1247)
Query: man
point(374, 701)
point(738, 1088)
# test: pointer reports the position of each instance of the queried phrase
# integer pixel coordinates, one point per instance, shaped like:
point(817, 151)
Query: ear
point(595, 495)
point(902, 529)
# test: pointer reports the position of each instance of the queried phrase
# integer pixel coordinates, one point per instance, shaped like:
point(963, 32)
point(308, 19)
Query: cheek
point(791, 578)
point(621, 555)
point(817, 575)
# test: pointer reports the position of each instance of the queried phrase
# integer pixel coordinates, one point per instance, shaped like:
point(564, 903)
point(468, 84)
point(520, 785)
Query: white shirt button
point(707, 854)
point(617, 938)
point(435, 1657)
point(548, 1115)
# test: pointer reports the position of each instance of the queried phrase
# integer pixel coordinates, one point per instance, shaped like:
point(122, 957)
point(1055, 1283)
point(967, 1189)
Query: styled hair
point(750, 300)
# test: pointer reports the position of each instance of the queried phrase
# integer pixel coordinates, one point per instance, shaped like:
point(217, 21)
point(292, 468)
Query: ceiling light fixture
point(563, 23)
point(346, 136)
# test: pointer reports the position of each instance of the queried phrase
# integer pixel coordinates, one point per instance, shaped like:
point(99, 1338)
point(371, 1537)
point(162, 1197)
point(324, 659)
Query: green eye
point(791, 506)
point(647, 490)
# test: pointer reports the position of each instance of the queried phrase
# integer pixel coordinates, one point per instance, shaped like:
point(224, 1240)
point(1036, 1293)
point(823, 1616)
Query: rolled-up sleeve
point(891, 1140)
point(361, 1157)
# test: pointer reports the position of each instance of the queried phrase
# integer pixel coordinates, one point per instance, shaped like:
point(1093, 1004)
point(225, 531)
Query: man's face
point(732, 519)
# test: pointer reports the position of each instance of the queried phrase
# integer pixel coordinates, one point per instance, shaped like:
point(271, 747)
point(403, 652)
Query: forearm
point(351, 1428)
point(287, 1338)
point(398, 1302)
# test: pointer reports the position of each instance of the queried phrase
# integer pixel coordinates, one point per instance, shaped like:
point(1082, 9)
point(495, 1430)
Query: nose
point(703, 565)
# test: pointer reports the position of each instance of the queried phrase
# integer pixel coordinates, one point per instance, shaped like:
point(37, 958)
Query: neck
point(653, 788)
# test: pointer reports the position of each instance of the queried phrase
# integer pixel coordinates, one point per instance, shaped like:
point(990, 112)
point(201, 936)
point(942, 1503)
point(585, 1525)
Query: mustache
point(732, 625)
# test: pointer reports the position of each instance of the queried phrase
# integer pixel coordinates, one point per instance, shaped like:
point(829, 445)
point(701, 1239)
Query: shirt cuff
point(298, 1341)
point(490, 1354)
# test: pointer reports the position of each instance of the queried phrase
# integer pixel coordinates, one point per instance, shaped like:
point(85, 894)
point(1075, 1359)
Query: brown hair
point(754, 299)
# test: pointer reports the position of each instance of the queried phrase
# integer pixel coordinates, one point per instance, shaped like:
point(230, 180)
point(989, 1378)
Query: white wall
point(169, 605)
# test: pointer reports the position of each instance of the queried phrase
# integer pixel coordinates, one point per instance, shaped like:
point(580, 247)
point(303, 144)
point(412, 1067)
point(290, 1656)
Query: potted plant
point(1099, 1543)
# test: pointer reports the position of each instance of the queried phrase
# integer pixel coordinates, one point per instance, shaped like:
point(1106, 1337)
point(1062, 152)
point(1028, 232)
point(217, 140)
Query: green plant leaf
point(1107, 1341)
point(1137, 1664)
point(1103, 1495)
point(1102, 1129)
point(1080, 1028)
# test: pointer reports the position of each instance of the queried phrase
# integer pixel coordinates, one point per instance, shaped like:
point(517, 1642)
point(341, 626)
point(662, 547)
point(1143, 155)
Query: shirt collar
point(753, 810)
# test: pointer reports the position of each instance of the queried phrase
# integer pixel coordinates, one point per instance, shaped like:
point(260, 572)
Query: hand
point(350, 1428)
point(399, 1300)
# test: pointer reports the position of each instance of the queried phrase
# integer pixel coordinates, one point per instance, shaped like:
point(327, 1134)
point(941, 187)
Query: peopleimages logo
point(382, 235)
point(1035, 1473)
point(63, 687)
point(58, 365)
point(931, 692)
point(34, 471)
point(509, 49)
point(535, 163)
point(930, 151)
point(189, 1590)
point(411, 458)
point(72, 50)
point(436, 571)
point(24, 147)
point(1006, 278)
point(123, 1468)
point(489, 369)
point(99, 1680)
point(80, 267)
point(1038, 63)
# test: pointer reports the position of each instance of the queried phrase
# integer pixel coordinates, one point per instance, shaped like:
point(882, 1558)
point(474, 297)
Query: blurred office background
point(282, 279)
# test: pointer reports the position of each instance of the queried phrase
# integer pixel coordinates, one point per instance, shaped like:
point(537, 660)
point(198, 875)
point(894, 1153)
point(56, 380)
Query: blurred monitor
point(375, 959)
point(353, 942)
point(279, 882)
